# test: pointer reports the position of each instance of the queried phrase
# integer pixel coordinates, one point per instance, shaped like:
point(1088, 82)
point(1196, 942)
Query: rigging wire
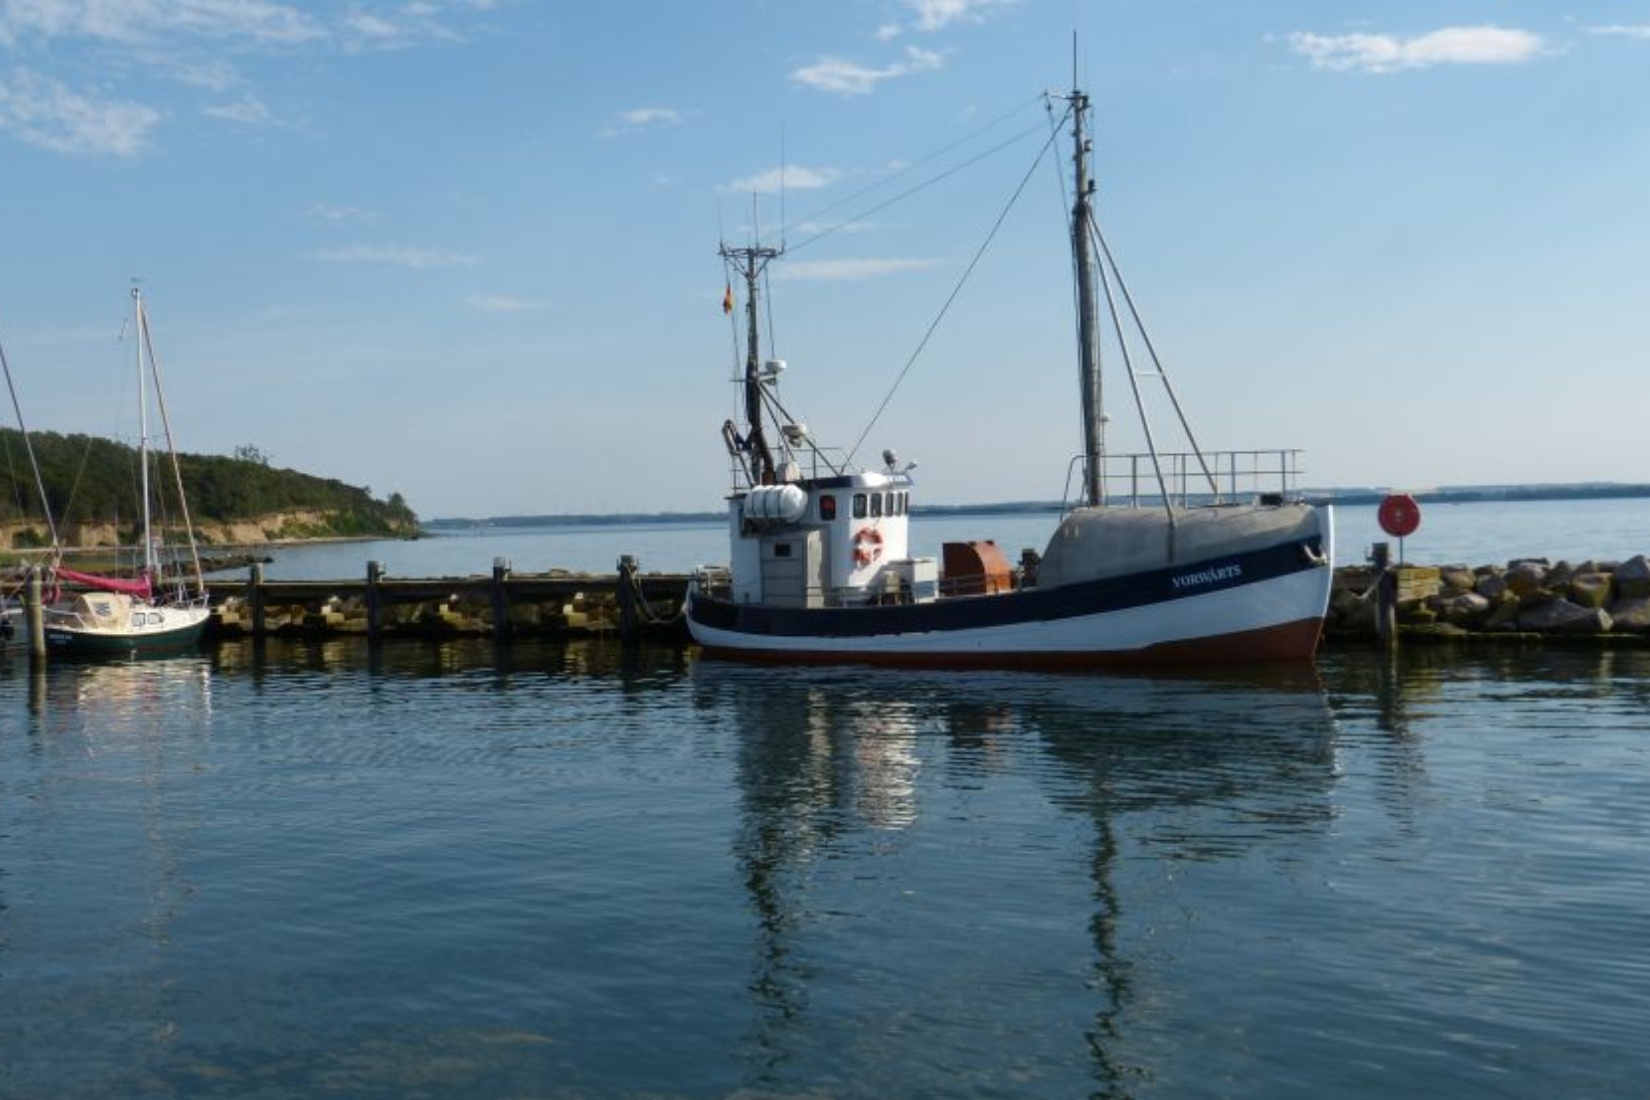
point(171, 446)
point(1151, 351)
point(923, 186)
point(906, 170)
point(39, 483)
point(952, 297)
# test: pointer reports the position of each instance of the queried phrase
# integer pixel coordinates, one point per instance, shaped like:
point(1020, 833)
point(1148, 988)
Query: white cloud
point(248, 22)
point(326, 212)
point(933, 15)
point(504, 303)
point(845, 270)
point(45, 113)
point(188, 42)
point(640, 118)
point(248, 111)
point(1386, 53)
point(396, 256)
point(650, 116)
point(148, 21)
point(774, 180)
point(1623, 31)
point(831, 74)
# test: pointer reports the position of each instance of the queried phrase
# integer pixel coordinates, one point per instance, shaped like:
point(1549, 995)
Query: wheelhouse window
point(859, 505)
point(827, 507)
point(876, 504)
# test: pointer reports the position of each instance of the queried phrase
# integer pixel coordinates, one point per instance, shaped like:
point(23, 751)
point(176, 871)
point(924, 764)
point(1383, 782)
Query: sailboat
point(157, 610)
point(1166, 557)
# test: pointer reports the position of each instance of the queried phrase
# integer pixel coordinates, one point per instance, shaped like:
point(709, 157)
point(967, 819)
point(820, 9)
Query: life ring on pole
point(867, 547)
point(1400, 516)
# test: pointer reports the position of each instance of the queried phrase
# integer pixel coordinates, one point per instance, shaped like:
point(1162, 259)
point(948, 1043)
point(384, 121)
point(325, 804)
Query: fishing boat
point(1162, 556)
point(161, 608)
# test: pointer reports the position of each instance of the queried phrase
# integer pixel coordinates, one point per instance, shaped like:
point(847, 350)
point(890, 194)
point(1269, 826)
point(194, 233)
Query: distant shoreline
point(1443, 495)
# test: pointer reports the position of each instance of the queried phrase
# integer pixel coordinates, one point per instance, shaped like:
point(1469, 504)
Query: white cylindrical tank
point(776, 503)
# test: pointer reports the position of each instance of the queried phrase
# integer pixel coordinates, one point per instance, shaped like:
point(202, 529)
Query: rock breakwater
point(1524, 596)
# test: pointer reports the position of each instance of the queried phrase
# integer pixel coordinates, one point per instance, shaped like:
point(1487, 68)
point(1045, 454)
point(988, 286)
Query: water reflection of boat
point(164, 695)
point(862, 789)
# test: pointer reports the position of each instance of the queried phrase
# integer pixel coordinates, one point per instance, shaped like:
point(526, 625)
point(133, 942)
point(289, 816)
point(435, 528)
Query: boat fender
point(867, 547)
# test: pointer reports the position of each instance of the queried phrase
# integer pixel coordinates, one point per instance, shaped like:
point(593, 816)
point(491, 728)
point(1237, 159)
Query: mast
point(1088, 345)
point(172, 452)
point(751, 261)
point(140, 322)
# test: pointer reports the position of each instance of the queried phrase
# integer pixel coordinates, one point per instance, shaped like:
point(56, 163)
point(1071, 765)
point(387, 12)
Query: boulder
point(1526, 578)
point(1633, 576)
point(1560, 616)
point(1631, 614)
point(1457, 578)
point(1590, 589)
point(1492, 585)
point(1503, 615)
point(1464, 609)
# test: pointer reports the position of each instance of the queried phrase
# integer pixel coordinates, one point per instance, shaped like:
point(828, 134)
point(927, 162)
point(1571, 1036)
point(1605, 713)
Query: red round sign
point(1399, 515)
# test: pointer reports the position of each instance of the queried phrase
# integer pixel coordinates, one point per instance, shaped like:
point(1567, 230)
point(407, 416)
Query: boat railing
point(1191, 478)
point(812, 464)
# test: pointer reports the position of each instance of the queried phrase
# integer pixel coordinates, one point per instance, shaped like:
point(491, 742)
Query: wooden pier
point(628, 604)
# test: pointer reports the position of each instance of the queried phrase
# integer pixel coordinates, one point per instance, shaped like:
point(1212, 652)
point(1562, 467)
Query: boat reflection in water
point(907, 843)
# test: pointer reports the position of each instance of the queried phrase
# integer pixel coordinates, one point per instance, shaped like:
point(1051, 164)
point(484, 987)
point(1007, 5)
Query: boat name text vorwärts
point(1208, 576)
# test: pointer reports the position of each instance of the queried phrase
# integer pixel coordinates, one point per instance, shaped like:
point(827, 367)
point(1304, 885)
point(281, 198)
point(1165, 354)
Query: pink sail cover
point(138, 587)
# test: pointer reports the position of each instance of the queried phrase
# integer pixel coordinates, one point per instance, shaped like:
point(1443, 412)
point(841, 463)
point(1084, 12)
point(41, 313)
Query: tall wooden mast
point(1088, 333)
point(751, 261)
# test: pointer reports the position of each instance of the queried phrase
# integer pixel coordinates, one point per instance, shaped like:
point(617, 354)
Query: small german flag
point(727, 299)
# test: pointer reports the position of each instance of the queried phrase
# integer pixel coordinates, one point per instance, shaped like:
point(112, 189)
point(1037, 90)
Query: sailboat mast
point(141, 323)
point(1088, 345)
point(750, 262)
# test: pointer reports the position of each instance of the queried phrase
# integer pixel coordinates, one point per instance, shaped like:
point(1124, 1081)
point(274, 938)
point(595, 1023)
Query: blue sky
point(465, 250)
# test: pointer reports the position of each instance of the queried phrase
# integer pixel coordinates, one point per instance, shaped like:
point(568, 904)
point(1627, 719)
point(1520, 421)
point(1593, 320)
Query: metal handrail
point(1131, 480)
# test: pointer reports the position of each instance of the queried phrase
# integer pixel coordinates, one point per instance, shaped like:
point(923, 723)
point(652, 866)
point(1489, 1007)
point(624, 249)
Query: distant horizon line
point(1352, 495)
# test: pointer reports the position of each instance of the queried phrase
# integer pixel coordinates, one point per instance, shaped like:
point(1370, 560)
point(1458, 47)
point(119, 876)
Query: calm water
point(450, 871)
point(1472, 534)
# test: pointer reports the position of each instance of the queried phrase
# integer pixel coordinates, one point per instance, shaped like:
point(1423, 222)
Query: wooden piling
point(34, 615)
point(626, 596)
point(255, 599)
point(374, 601)
point(501, 598)
point(1386, 595)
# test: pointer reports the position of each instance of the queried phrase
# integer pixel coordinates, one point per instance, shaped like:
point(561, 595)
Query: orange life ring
point(867, 546)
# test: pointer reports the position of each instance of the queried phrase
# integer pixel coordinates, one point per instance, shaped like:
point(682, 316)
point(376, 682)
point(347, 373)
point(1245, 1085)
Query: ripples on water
point(569, 871)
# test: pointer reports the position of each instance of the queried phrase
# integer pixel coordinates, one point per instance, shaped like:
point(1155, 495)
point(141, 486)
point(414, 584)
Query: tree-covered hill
point(90, 480)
